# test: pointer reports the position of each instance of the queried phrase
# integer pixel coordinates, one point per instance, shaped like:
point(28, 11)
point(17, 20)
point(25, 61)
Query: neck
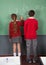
point(15, 20)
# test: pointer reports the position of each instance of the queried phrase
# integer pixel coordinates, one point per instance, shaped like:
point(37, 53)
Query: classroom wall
point(21, 8)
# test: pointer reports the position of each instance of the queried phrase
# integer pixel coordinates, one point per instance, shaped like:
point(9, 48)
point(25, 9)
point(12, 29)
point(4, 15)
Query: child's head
point(13, 16)
point(31, 13)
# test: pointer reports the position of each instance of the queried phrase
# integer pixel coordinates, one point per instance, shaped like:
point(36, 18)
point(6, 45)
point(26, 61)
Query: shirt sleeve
point(21, 23)
point(25, 27)
point(10, 30)
point(36, 25)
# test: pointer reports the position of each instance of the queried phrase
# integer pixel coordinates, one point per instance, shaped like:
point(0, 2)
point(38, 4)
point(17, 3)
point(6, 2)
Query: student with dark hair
point(15, 33)
point(30, 34)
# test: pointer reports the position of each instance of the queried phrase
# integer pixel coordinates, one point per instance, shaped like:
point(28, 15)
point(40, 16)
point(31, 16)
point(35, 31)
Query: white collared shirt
point(31, 18)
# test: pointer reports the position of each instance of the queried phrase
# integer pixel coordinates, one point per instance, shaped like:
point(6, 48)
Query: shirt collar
point(31, 18)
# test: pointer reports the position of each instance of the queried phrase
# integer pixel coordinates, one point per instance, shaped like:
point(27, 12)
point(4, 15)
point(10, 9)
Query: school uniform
point(30, 35)
point(15, 37)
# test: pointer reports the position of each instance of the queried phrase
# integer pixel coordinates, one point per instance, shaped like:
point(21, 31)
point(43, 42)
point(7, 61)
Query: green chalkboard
point(21, 8)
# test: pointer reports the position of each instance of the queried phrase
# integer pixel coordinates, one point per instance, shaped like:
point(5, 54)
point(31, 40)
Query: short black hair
point(13, 15)
point(31, 13)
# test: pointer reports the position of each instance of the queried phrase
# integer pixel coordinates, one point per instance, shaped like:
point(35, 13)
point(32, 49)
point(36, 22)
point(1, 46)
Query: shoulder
point(26, 20)
point(35, 19)
point(11, 23)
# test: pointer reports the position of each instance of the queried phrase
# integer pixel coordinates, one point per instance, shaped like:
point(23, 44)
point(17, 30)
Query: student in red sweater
point(30, 34)
point(15, 33)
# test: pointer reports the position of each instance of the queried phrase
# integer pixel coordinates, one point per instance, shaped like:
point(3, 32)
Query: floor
point(23, 62)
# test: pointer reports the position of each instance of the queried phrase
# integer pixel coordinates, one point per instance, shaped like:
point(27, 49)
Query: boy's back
point(30, 27)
